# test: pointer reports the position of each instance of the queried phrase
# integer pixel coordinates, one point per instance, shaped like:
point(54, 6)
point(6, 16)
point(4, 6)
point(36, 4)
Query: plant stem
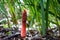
point(43, 18)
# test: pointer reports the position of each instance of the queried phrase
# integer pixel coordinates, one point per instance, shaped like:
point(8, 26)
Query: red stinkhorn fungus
point(23, 29)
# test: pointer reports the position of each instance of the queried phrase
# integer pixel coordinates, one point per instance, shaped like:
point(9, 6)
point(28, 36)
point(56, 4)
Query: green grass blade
point(46, 14)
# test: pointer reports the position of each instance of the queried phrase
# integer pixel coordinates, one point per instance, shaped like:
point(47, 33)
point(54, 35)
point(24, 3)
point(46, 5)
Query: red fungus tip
point(23, 29)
